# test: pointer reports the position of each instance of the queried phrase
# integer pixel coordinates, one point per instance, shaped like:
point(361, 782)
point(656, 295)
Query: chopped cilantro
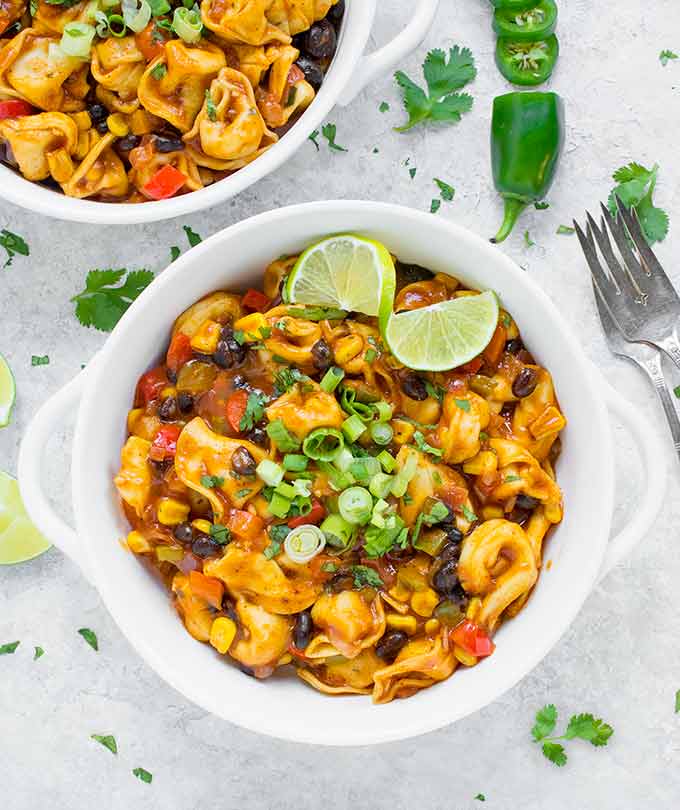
point(365, 577)
point(285, 379)
point(220, 534)
point(635, 189)
point(528, 241)
point(211, 481)
point(580, 726)
point(13, 244)
point(143, 775)
point(412, 171)
point(9, 649)
point(565, 230)
point(107, 740)
point(370, 355)
point(446, 191)
point(329, 568)
point(192, 237)
point(90, 636)
point(468, 513)
point(40, 360)
point(329, 131)
point(159, 71)
point(174, 253)
point(424, 447)
point(463, 404)
point(242, 493)
point(435, 205)
point(665, 57)
point(101, 304)
point(384, 106)
point(541, 206)
point(254, 410)
point(313, 138)
point(39, 652)
point(210, 107)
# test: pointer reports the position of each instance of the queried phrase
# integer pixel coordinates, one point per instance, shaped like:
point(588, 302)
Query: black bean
point(519, 516)
point(414, 386)
point(162, 466)
point(247, 670)
point(171, 375)
point(336, 12)
point(526, 502)
point(258, 436)
point(390, 645)
point(450, 551)
point(229, 608)
point(525, 383)
point(322, 356)
point(168, 410)
point(98, 113)
point(454, 534)
point(128, 142)
point(102, 127)
point(184, 533)
point(312, 71)
point(242, 461)
point(185, 402)
point(302, 632)
point(229, 352)
point(513, 346)
point(321, 40)
point(165, 143)
point(204, 546)
point(446, 578)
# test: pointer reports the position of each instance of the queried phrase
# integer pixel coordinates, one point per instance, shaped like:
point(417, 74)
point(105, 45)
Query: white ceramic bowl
point(349, 73)
point(235, 258)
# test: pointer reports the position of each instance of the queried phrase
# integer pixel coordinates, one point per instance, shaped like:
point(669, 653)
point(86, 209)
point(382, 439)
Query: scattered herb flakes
point(443, 78)
point(329, 131)
point(375, 150)
point(480, 797)
point(40, 360)
point(254, 411)
point(580, 726)
point(468, 514)
point(143, 775)
point(210, 107)
point(220, 534)
point(39, 652)
point(528, 241)
point(242, 493)
point(101, 304)
point(463, 404)
point(424, 447)
point(635, 189)
point(435, 205)
point(89, 636)
point(435, 391)
point(510, 478)
point(329, 568)
point(370, 355)
point(677, 701)
point(107, 740)
point(676, 391)
point(9, 649)
point(541, 206)
point(445, 190)
point(159, 71)
point(272, 549)
point(384, 106)
point(313, 138)
point(211, 481)
point(364, 576)
point(665, 57)
point(412, 171)
point(13, 245)
point(192, 237)
point(565, 230)
point(174, 253)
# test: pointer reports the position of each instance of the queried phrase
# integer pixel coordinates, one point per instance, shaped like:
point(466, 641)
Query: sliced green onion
point(350, 405)
point(136, 17)
point(336, 478)
point(286, 490)
point(159, 7)
point(323, 444)
point(108, 4)
point(302, 487)
point(279, 506)
point(270, 472)
point(343, 459)
point(304, 543)
point(338, 532)
point(381, 485)
point(378, 514)
point(102, 27)
point(77, 39)
point(356, 505)
point(387, 460)
point(293, 462)
point(187, 24)
point(331, 379)
point(353, 427)
point(284, 440)
point(404, 475)
point(384, 410)
point(381, 432)
point(120, 28)
point(363, 469)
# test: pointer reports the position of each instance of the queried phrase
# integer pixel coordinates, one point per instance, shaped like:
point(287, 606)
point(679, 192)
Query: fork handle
point(655, 373)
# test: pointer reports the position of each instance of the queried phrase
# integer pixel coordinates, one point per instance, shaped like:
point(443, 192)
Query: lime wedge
point(7, 392)
point(348, 272)
point(443, 336)
point(19, 539)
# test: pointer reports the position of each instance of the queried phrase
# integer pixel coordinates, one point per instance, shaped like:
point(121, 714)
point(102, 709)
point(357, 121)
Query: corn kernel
point(286, 658)
point(403, 431)
point(170, 554)
point(484, 463)
point(171, 512)
point(83, 145)
point(132, 418)
point(251, 325)
point(82, 120)
point(553, 512)
point(60, 164)
point(432, 626)
point(117, 125)
point(406, 623)
point(424, 602)
point(473, 608)
point(347, 348)
point(222, 632)
point(141, 122)
point(207, 337)
point(465, 658)
point(465, 293)
point(168, 391)
point(491, 512)
point(400, 592)
point(201, 525)
point(138, 543)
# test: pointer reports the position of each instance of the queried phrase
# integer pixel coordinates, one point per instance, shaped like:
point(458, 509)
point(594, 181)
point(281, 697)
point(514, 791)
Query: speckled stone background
point(621, 657)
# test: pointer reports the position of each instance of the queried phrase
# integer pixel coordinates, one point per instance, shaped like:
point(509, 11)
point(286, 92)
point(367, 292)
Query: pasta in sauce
point(310, 502)
point(146, 113)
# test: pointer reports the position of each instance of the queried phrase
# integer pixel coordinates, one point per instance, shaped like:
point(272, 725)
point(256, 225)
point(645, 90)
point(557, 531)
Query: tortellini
point(146, 160)
point(101, 173)
point(303, 410)
point(349, 623)
point(464, 417)
point(42, 144)
point(420, 663)
point(10, 12)
point(118, 66)
point(287, 91)
point(134, 477)
point(263, 640)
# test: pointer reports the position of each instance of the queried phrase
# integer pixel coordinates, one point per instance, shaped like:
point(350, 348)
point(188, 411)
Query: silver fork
point(636, 291)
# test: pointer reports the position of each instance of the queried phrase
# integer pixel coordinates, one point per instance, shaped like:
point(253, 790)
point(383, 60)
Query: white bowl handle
point(654, 455)
point(30, 469)
point(380, 61)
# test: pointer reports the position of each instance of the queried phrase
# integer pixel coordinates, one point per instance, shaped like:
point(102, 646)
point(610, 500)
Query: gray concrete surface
point(620, 659)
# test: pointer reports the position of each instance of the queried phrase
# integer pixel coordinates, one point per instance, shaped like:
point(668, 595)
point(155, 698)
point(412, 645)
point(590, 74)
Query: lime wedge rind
point(443, 336)
point(20, 541)
point(7, 392)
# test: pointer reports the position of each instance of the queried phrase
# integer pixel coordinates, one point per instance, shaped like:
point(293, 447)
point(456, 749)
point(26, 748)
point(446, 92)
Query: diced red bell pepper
point(244, 525)
point(165, 183)
point(150, 385)
point(236, 408)
point(179, 352)
point(14, 107)
point(151, 40)
point(471, 367)
point(208, 588)
point(315, 516)
point(473, 639)
point(164, 445)
point(493, 351)
point(254, 299)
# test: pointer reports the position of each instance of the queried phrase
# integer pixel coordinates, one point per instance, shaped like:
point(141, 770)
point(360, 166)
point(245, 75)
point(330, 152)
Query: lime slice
point(348, 272)
point(19, 539)
point(443, 336)
point(7, 392)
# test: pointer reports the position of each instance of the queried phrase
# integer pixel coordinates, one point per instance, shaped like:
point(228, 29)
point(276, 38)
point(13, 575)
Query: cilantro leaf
point(463, 404)
point(13, 244)
point(588, 728)
point(101, 304)
point(468, 514)
point(444, 76)
point(364, 576)
point(143, 775)
point(446, 191)
point(254, 411)
point(416, 102)
point(653, 220)
point(39, 652)
point(378, 542)
point(40, 360)
point(285, 379)
point(546, 718)
point(635, 189)
point(384, 106)
point(192, 237)
point(174, 253)
point(9, 649)
point(272, 549)
point(424, 447)
point(211, 481)
point(480, 797)
point(329, 131)
point(220, 534)
point(107, 740)
point(555, 753)
point(313, 138)
point(665, 56)
point(565, 230)
point(90, 636)
point(435, 205)
point(528, 241)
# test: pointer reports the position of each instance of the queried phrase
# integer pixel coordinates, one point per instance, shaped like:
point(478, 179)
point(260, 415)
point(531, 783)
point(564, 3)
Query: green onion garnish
point(387, 460)
point(294, 462)
point(353, 427)
point(383, 410)
point(381, 432)
point(339, 532)
point(270, 472)
point(331, 379)
point(279, 434)
point(279, 506)
point(323, 444)
point(356, 505)
point(187, 24)
point(381, 485)
point(404, 475)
